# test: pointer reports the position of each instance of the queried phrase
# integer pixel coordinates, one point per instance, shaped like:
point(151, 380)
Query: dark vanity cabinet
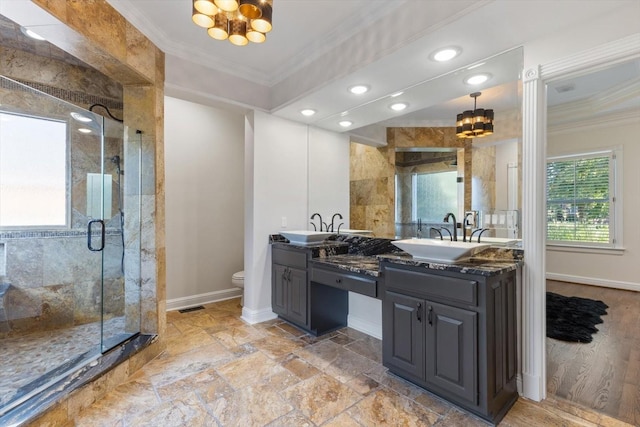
point(289, 297)
point(453, 334)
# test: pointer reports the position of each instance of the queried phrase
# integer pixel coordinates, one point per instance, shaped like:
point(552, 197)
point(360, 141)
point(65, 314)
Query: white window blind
point(580, 198)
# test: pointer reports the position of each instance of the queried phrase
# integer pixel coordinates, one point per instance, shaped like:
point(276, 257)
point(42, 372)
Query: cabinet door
point(297, 296)
point(279, 289)
point(403, 334)
point(452, 350)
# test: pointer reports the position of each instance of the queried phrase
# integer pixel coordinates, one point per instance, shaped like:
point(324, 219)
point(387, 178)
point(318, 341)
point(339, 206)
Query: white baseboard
point(257, 316)
point(629, 286)
point(209, 297)
point(365, 326)
point(532, 388)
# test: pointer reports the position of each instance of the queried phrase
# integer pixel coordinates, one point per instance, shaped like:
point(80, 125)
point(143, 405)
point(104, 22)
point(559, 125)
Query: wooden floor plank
point(603, 375)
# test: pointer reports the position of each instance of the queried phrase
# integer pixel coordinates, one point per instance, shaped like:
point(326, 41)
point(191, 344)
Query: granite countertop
point(317, 250)
point(361, 264)
point(490, 262)
point(362, 255)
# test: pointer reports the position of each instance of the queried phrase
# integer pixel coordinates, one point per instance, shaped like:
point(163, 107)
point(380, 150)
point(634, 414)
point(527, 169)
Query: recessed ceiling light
point(445, 54)
point(396, 94)
point(399, 106)
point(345, 123)
point(477, 79)
point(79, 117)
point(29, 33)
point(359, 89)
point(84, 130)
point(308, 112)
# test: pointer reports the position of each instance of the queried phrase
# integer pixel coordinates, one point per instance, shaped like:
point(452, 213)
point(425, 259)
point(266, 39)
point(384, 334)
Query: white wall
point(204, 178)
point(329, 176)
point(284, 181)
point(608, 269)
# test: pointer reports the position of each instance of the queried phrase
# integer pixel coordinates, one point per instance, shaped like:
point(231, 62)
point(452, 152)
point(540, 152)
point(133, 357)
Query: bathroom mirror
point(488, 167)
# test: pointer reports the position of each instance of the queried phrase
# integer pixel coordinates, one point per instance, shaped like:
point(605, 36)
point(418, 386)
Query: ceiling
point(319, 48)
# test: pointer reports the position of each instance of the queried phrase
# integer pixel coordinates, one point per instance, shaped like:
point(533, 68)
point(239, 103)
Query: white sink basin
point(440, 250)
point(359, 232)
point(304, 237)
point(498, 240)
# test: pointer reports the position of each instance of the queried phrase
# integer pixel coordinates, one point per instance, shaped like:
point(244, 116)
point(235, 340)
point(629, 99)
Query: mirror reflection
point(415, 169)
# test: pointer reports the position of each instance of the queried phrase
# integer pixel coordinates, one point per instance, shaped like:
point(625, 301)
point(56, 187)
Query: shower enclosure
point(70, 184)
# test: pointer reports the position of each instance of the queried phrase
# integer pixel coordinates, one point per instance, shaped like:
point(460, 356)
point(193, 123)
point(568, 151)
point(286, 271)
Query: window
point(434, 194)
point(32, 171)
point(581, 199)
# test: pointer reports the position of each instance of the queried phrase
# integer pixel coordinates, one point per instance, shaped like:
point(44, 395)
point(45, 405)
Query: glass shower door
point(121, 254)
point(69, 239)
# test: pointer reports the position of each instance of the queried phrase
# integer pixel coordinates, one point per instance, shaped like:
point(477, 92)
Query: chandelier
point(476, 123)
point(240, 21)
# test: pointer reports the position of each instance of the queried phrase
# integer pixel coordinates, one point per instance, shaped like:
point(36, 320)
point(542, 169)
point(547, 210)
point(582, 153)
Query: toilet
point(238, 280)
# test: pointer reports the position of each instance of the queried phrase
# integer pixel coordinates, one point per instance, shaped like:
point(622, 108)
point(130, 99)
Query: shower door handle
point(91, 248)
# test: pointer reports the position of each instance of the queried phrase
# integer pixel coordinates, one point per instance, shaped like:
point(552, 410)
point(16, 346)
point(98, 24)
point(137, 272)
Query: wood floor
point(605, 374)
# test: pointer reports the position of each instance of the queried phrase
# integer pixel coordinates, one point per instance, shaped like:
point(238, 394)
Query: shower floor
point(30, 361)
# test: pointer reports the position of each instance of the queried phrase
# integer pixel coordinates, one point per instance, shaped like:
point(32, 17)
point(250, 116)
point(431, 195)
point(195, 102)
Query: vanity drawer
point(432, 285)
point(350, 282)
point(289, 258)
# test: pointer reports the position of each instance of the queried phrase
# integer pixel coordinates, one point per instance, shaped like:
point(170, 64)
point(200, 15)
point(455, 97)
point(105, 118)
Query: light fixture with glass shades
point(474, 123)
point(239, 21)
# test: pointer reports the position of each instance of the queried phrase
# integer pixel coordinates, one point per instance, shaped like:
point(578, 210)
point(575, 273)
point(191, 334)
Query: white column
point(533, 235)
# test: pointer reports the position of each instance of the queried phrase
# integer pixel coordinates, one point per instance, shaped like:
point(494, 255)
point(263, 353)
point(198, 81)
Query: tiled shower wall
point(52, 281)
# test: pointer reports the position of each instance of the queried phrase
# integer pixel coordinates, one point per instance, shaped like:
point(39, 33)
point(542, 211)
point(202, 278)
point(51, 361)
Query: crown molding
point(623, 117)
point(602, 56)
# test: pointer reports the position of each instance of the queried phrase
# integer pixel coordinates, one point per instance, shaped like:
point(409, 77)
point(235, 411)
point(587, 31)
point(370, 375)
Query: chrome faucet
point(455, 225)
point(332, 219)
point(319, 216)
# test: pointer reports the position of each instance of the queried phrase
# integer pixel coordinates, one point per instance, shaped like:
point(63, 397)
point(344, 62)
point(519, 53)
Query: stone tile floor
point(219, 371)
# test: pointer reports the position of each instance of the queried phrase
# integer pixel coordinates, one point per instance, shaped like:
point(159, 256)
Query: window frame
point(615, 201)
point(67, 177)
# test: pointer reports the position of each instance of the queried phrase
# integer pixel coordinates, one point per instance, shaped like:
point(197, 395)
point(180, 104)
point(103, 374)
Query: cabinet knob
point(338, 280)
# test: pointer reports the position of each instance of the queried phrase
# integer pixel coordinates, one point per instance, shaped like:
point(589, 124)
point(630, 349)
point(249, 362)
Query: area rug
point(573, 319)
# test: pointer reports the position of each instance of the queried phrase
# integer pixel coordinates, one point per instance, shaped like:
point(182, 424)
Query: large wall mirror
point(410, 169)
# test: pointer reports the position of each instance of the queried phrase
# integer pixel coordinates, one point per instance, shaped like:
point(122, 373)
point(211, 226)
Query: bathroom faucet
point(455, 225)
point(449, 232)
point(465, 222)
point(480, 234)
point(333, 218)
point(319, 216)
point(437, 231)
